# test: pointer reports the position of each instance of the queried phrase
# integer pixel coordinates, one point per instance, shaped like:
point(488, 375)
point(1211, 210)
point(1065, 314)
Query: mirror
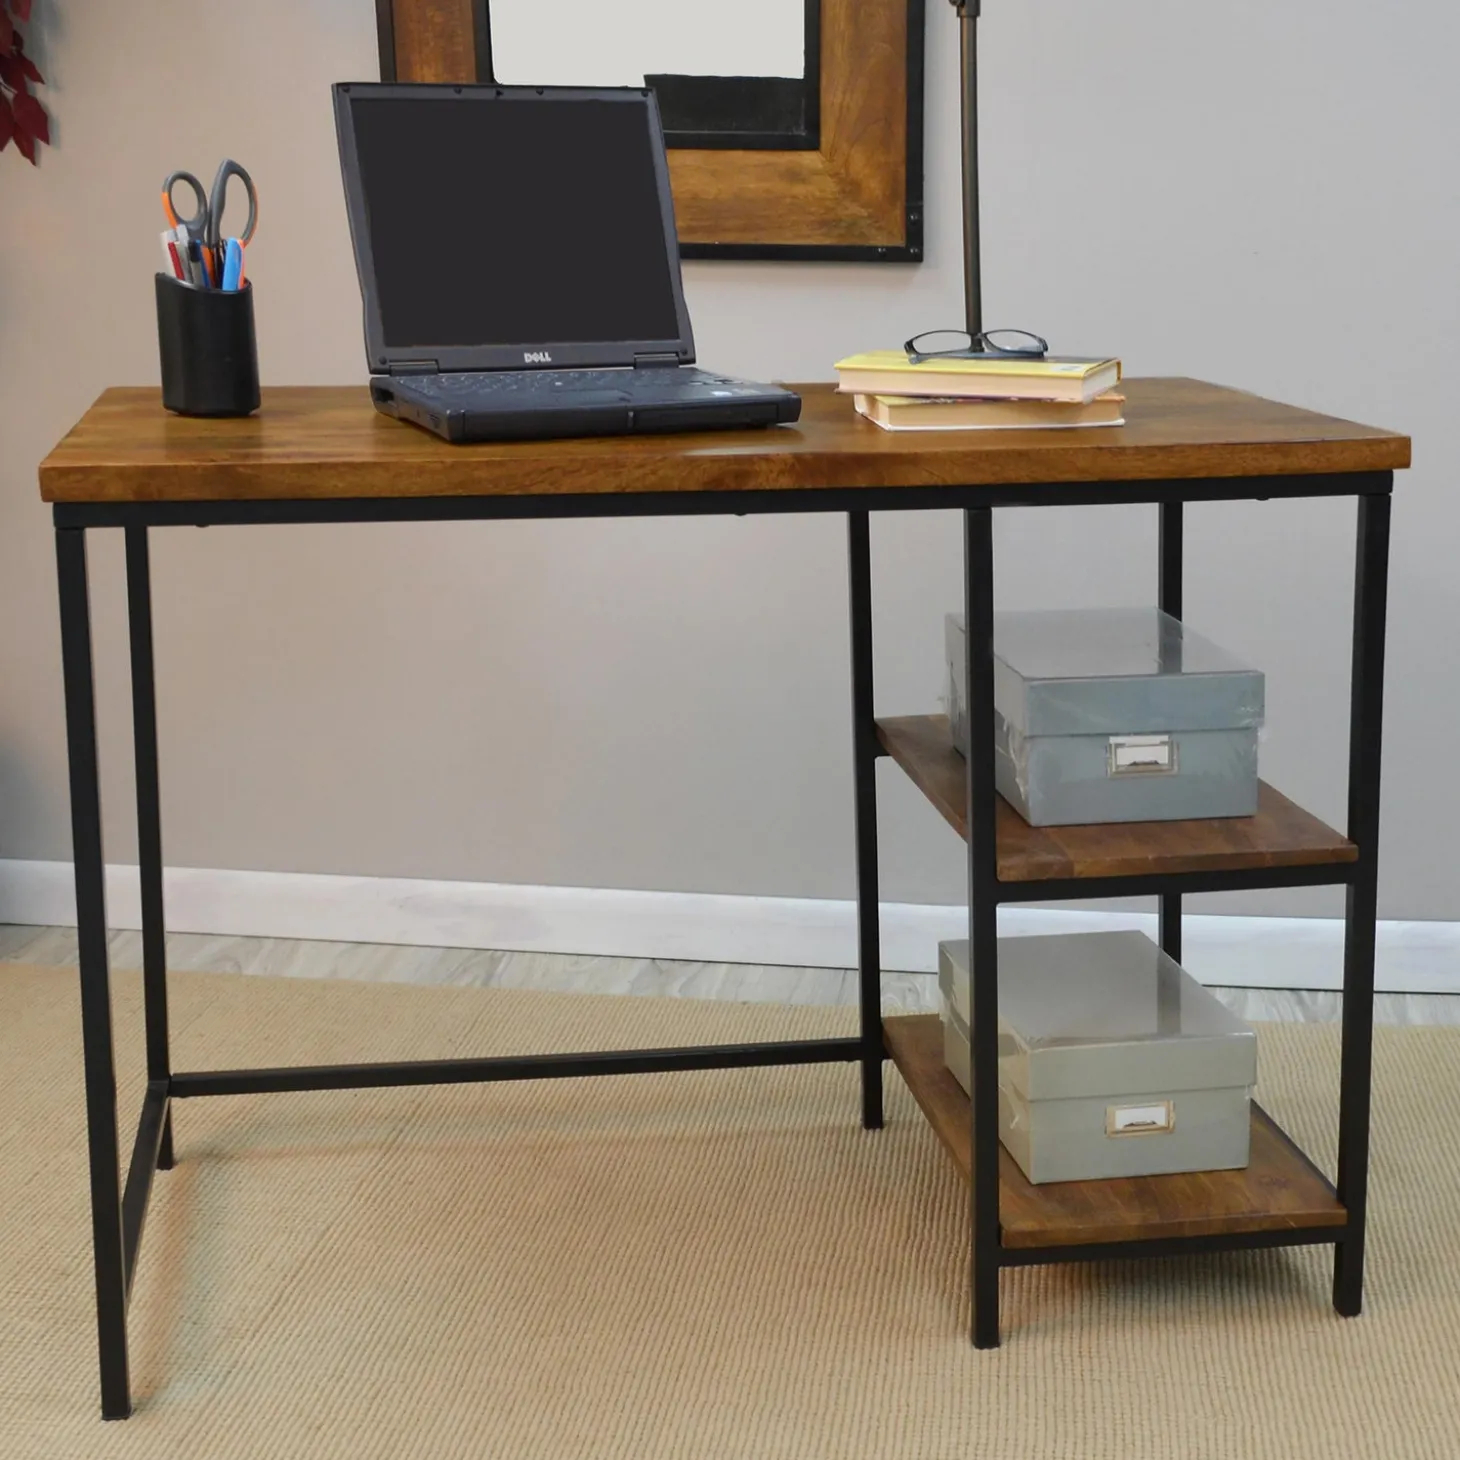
point(741, 75)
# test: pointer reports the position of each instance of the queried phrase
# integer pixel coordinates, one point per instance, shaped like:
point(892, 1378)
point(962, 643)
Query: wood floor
point(736, 982)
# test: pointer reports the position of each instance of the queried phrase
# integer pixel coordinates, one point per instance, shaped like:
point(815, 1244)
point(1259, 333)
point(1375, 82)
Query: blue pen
point(232, 265)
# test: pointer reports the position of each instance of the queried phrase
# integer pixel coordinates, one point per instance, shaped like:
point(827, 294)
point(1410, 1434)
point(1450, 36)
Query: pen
point(232, 265)
point(169, 255)
point(184, 242)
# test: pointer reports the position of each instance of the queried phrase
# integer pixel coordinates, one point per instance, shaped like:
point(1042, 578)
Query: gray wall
point(1252, 193)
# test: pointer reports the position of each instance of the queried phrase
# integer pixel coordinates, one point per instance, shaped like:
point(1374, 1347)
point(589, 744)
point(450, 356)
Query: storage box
point(1114, 715)
point(1113, 1060)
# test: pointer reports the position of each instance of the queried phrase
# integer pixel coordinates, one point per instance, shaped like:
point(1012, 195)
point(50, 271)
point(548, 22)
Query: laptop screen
point(513, 222)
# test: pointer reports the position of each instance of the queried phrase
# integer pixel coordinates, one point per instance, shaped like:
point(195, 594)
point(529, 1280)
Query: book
point(932, 413)
point(1003, 377)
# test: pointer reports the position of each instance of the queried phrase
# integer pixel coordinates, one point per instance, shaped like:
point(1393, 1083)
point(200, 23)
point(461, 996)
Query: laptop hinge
point(662, 357)
point(414, 367)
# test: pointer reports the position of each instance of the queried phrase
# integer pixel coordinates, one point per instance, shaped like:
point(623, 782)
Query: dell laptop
point(519, 265)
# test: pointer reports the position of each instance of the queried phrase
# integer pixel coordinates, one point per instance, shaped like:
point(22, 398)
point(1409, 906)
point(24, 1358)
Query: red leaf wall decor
point(22, 117)
point(30, 116)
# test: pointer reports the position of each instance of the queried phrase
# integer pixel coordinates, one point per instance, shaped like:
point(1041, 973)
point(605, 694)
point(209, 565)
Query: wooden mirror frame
point(858, 195)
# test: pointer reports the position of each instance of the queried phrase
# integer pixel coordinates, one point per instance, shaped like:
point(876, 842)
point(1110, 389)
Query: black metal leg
point(1169, 930)
point(865, 752)
point(96, 1010)
point(1168, 596)
point(983, 912)
point(149, 821)
point(1366, 719)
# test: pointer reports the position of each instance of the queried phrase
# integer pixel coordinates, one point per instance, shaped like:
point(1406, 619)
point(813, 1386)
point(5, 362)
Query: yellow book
point(928, 413)
point(1000, 377)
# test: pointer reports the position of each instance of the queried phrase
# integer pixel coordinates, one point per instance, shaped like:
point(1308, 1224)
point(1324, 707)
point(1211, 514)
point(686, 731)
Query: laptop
point(519, 265)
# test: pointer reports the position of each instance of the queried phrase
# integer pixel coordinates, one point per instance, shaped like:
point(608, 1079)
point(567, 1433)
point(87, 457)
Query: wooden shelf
point(1282, 834)
point(1280, 1190)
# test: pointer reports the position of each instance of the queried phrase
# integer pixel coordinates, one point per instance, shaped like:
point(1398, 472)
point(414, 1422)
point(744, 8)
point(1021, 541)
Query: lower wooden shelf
point(1280, 1189)
point(1282, 834)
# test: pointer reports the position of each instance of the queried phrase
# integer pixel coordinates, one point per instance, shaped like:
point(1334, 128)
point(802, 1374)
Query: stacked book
point(984, 392)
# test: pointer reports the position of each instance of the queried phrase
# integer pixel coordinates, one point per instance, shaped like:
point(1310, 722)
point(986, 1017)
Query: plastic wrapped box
point(1114, 715)
point(1113, 1060)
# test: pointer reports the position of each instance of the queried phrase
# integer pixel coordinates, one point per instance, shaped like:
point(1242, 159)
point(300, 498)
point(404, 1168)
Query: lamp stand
point(968, 12)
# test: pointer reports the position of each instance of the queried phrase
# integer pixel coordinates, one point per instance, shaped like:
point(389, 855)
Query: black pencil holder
point(210, 358)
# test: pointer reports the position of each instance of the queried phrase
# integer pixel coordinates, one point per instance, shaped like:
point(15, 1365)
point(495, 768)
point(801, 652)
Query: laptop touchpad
point(592, 397)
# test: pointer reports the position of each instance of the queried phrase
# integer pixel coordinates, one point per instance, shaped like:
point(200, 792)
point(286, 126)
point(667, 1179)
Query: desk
point(323, 455)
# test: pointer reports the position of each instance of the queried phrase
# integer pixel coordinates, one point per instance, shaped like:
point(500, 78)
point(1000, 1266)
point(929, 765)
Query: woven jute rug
point(717, 1265)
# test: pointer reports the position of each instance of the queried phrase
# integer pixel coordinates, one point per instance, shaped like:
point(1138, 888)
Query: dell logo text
point(537, 357)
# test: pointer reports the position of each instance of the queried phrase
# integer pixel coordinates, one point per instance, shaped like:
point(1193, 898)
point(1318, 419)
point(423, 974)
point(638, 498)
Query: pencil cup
point(210, 360)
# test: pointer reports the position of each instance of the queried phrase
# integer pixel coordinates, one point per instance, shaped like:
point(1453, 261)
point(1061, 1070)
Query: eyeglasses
point(960, 345)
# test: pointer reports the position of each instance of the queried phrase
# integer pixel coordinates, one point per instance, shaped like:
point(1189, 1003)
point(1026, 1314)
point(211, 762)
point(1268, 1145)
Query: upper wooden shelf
point(1282, 834)
point(1280, 1190)
point(322, 442)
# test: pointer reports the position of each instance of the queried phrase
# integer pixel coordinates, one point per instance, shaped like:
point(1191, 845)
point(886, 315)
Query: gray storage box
point(1114, 715)
point(1113, 1060)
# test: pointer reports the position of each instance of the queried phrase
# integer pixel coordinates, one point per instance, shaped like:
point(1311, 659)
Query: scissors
point(205, 223)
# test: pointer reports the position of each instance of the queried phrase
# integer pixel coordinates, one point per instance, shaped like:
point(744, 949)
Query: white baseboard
point(1413, 957)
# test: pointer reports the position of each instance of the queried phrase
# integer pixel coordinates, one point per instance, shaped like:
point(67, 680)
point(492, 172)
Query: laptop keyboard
point(496, 385)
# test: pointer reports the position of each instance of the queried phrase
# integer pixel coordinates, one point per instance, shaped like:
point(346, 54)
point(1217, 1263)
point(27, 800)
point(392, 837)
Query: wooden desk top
point(315, 442)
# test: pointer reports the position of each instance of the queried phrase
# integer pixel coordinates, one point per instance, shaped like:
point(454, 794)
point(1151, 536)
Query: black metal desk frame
point(119, 1211)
